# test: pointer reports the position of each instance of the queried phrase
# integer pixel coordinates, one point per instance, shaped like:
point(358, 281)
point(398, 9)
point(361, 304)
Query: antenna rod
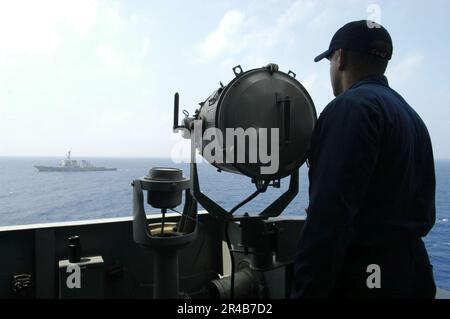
point(176, 108)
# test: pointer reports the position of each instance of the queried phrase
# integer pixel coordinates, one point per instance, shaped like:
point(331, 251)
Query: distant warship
point(69, 165)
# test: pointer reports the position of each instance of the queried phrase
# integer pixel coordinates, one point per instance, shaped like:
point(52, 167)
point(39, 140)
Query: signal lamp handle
point(176, 110)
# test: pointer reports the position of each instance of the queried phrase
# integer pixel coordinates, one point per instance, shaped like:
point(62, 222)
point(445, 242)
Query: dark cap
point(361, 36)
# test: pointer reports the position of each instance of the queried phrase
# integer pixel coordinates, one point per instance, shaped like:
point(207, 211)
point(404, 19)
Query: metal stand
point(166, 238)
point(273, 210)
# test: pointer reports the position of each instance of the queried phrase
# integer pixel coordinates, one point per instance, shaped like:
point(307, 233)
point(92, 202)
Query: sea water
point(29, 197)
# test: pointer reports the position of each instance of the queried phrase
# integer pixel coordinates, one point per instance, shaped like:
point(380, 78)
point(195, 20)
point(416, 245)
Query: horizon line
point(123, 157)
point(83, 156)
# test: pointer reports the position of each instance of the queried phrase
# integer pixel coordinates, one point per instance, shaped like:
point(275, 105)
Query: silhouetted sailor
point(372, 182)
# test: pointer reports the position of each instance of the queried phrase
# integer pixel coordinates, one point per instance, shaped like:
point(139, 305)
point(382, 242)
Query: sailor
point(372, 182)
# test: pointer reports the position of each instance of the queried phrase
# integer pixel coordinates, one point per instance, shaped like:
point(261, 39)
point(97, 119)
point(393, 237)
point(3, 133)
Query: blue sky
point(98, 77)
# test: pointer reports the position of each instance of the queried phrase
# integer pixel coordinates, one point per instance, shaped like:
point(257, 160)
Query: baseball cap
point(363, 36)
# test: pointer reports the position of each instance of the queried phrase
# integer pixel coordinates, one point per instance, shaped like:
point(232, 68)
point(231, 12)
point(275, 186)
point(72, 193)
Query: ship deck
point(36, 249)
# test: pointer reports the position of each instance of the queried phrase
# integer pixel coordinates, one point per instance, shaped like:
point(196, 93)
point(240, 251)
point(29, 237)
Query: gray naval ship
point(70, 165)
point(184, 254)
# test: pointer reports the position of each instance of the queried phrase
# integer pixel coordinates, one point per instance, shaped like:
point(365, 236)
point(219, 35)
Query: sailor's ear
point(341, 59)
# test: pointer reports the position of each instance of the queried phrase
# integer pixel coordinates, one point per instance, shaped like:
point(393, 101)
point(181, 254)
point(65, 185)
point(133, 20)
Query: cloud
point(36, 27)
point(250, 36)
point(112, 60)
point(115, 59)
point(113, 16)
point(145, 47)
point(310, 81)
point(296, 12)
point(33, 30)
point(321, 20)
point(104, 126)
point(80, 15)
point(411, 60)
point(108, 56)
point(224, 38)
point(318, 86)
point(403, 70)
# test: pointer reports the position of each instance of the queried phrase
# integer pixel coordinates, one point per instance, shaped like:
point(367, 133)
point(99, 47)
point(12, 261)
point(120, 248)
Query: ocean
point(29, 197)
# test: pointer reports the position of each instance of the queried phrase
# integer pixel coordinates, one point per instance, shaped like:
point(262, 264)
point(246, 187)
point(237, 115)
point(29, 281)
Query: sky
point(98, 77)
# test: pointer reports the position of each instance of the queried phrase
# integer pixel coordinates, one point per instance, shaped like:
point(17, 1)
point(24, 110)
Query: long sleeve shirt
point(372, 181)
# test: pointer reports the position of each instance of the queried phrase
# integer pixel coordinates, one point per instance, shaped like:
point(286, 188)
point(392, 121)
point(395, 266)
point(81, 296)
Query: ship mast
point(68, 155)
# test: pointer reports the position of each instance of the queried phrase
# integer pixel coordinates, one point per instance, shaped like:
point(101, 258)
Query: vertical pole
point(163, 211)
point(165, 276)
